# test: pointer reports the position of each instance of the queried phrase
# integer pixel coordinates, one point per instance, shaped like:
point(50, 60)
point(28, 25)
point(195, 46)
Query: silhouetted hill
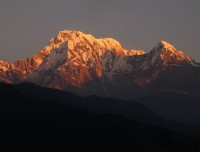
point(31, 123)
point(177, 106)
point(130, 109)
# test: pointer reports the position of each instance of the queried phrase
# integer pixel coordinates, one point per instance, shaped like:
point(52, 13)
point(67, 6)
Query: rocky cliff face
point(80, 63)
point(10, 74)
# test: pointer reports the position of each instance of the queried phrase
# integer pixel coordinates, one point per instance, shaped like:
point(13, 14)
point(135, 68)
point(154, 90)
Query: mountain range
point(79, 63)
point(83, 93)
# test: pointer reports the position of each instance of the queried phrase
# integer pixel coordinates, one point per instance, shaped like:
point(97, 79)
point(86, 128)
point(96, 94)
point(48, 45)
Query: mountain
point(165, 82)
point(78, 62)
point(38, 123)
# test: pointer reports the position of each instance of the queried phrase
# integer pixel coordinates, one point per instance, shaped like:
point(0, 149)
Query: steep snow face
point(49, 65)
point(55, 58)
point(113, 64)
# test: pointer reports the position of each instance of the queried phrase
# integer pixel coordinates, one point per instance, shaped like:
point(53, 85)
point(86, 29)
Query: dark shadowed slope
point(32, 123)
point(177, 106)
point(129, 109)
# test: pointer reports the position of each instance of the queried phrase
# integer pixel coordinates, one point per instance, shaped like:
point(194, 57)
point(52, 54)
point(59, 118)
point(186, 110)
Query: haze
point(27, 26)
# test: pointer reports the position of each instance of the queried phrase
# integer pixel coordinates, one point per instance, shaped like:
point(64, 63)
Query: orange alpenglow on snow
point(73, 59)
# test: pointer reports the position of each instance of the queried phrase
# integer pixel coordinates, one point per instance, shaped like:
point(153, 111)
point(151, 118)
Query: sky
point(26, 26)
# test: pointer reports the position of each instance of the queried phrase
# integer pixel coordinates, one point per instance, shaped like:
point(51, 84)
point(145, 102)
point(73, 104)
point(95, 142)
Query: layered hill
point(78, 62)
point(33, 123)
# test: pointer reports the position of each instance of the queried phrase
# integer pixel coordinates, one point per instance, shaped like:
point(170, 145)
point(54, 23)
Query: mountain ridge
point(77, 60)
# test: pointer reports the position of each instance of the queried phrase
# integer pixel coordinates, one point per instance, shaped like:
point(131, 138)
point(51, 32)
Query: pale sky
point(26, 26)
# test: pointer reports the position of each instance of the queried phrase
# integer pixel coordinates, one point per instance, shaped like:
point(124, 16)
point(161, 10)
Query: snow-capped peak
point(65, 35)
point(163, 44)
point(168, 54)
